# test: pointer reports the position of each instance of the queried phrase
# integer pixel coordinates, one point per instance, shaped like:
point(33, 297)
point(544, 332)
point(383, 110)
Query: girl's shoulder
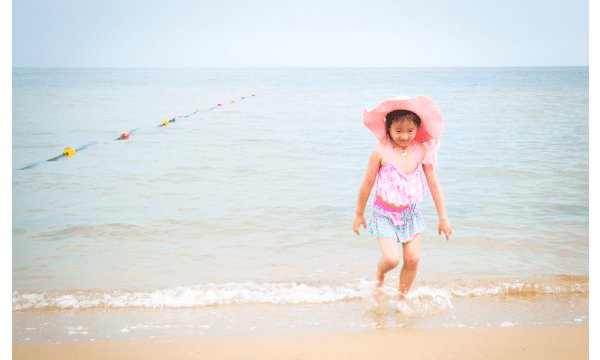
point(428, 152)
point(378, 153)
point(381, 148)
point(382, 145)
point(422, 149)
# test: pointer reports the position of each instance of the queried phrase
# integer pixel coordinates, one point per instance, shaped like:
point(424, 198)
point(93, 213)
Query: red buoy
point(219, 104)
point(179, 115)
point(125, 135)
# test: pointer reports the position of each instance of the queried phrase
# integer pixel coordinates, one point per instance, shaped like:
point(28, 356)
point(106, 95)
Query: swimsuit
point(399, 189)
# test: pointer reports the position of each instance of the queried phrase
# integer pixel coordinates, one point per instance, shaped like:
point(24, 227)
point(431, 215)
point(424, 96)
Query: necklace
point(403, 150)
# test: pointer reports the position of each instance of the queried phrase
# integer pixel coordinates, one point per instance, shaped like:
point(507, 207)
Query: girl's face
point(403, 132)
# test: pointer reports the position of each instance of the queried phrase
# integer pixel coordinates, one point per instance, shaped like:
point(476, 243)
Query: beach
point(538, 342)
point(232, 224)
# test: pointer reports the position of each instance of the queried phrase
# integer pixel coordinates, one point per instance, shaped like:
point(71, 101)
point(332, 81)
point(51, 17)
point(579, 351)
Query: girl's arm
point(365, 190)
point(438, 198)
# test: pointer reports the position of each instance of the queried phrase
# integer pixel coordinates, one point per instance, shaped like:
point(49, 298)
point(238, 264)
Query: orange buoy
point(219, 104)
point(201, 109)
point(261, 91)
point(165, 123)
point(69, 152)
point(125, 135)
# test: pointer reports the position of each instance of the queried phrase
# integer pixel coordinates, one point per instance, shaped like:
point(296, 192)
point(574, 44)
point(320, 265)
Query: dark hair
point(400, 115)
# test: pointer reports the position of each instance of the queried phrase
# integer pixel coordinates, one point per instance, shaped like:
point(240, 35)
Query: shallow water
point(249, 205)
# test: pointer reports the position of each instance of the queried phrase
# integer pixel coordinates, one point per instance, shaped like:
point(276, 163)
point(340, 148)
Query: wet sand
point(536, 342)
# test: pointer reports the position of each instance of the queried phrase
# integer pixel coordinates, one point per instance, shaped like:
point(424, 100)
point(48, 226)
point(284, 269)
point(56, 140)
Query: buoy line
point(124, 136)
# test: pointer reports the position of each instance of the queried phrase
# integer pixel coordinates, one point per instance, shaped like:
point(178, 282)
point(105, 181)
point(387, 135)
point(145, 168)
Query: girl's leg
point(390, 258)
point(411, 257)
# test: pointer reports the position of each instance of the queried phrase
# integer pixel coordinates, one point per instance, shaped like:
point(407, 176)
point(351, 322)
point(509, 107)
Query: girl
point(408, 131)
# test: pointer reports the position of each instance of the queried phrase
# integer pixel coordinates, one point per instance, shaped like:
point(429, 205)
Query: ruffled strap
point(431, 155)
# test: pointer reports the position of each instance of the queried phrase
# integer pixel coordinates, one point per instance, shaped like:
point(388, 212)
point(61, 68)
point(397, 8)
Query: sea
point(235, 218)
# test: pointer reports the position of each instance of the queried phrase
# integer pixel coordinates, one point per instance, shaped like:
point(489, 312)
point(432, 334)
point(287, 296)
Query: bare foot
point(377, 293)
point(379, 278)
point(404, 309)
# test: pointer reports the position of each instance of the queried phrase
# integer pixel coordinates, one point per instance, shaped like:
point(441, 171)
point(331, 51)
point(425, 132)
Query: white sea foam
point(191, 296)
point(430, 298)
point(440, 292)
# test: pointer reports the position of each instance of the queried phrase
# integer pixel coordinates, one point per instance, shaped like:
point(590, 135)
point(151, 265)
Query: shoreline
point(527, 342)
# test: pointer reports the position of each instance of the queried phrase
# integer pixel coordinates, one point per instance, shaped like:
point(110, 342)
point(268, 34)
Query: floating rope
point(68, 152)
point(124, 136)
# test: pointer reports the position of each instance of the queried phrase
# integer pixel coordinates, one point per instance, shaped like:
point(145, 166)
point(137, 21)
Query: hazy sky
point(223, 33)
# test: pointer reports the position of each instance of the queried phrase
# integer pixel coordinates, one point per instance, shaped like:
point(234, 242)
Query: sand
point(539, 342)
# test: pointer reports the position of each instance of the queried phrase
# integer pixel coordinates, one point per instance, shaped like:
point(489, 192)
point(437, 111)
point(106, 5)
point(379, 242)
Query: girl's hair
point(398, 115)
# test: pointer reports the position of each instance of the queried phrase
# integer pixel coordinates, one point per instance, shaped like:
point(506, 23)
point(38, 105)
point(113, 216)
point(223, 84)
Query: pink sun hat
point(432, 122)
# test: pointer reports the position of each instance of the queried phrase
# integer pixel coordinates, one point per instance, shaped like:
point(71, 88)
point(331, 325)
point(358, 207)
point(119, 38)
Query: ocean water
point(237, 219)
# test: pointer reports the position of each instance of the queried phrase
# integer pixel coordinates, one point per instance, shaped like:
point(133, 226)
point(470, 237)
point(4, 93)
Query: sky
point(231, 33)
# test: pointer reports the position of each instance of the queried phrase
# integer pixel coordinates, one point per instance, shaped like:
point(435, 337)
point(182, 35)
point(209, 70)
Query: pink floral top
point(400, 189)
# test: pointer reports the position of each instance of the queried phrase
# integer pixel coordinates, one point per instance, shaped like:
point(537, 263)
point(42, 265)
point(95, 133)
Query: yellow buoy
point(69, 152)
point(252, 94)
point(165, 123)
point(232, 101)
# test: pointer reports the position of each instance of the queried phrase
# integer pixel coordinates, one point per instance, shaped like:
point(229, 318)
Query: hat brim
point(432, 122)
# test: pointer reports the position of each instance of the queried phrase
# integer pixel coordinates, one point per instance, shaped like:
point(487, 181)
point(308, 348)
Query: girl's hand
point(445, 226)
point(358, 219)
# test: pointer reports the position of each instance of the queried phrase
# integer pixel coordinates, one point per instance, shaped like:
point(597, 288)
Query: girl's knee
point(391, 262)
point(411, 261)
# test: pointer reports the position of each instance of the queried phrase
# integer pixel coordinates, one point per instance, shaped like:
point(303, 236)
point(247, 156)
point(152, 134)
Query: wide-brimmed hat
point(432, 123)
